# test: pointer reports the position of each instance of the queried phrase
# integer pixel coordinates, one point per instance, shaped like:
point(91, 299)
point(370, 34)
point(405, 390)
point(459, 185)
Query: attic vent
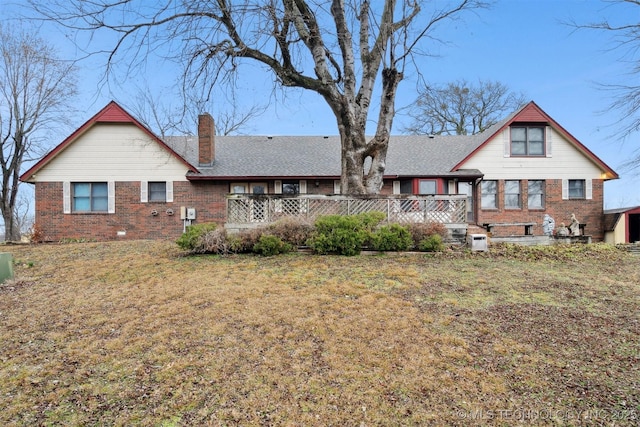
point(269, 137)
point(325, 137)
point(431, 136)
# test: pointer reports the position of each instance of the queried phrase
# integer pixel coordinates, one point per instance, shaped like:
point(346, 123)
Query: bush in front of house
point(247, 239)
point(218, 242)
point(269, 245)
point(295, 231)
point(392, 237)
point(190, 239)
point(343, 234)
point(432, 243)
point(423, 230)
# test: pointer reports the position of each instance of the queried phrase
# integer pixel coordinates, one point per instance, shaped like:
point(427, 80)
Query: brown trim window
point(512, 195)
point(489, 198)
point(527, 141)
point(535, 194)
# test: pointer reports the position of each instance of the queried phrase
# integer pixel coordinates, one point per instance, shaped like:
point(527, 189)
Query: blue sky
point(521, 43)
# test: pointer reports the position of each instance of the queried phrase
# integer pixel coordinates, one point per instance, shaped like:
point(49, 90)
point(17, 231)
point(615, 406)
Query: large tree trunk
point(11, 226)
point(363, 162)
point(357, 152)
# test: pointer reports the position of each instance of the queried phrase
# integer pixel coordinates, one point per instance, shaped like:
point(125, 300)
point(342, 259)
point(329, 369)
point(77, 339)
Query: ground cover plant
point(139, 333)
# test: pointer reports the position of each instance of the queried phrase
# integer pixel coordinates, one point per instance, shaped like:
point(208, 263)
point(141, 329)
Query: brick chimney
point(206, 140)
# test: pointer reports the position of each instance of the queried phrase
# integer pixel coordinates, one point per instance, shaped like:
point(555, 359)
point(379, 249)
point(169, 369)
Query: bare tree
point(350, 52)
point(166, 116)
point(36, 89)
point(460, 108)
point(624, 28)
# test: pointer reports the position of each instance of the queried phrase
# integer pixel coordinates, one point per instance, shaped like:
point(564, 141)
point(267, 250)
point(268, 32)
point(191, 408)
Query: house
point(622, 225)
point(114, 179)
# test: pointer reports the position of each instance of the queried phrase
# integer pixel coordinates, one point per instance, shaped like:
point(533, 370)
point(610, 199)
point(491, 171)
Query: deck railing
point(264, 209)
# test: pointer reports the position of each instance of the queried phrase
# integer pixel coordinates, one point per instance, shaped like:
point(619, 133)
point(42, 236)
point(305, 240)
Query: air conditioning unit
point(478, 242)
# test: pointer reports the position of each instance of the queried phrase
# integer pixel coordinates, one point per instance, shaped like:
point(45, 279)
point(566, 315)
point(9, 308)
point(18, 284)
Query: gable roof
point(111, 113)
point(262, 157)
point(532, 113)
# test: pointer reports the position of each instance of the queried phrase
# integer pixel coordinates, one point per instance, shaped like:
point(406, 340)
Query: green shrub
point(343, 234)
point(432, 243)
point(269, 245)
point(371, 219)
point(190, 238)
point(393, 237)
point(295, 231)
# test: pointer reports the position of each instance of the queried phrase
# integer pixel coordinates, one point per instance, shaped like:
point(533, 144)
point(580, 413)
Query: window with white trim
point(90, 197)
point(290, 187)
point(157, 191)
point(527, 140)
point(238, 188)
point(576, 189)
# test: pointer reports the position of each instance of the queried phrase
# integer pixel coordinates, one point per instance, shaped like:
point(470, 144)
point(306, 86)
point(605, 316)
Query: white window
point(290, 187)
point(238, 188)
point(576, 189)
point(156, 191)
point(87, 197)
point(527, 140)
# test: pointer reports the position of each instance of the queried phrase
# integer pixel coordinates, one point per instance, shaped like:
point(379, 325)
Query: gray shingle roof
point(318, 156)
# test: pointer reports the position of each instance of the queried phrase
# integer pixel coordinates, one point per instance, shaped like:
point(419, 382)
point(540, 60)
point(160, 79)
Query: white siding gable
point(113, 152)
point(567, 162)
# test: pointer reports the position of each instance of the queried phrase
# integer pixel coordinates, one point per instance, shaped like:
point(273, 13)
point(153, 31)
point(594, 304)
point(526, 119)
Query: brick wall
point(208, 198)
point(589, 212)
point(132, 216)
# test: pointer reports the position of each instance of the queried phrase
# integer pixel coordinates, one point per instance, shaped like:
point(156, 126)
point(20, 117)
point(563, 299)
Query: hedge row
point(331, 234)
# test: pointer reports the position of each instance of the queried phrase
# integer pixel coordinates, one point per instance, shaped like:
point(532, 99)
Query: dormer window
point(527, 141)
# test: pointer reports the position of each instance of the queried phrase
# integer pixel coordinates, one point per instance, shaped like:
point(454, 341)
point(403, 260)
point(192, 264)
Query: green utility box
point(6, 266)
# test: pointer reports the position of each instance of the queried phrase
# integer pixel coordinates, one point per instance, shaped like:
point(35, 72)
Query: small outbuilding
point(622, 225)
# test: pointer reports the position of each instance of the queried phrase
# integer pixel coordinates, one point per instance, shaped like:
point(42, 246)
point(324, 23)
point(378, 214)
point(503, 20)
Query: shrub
point(269, 245)
point(218, 242)
point(393, 237)
point(371, 219)
point(432, 243)
point(343, 234)
point(295, 231)
point(35, 234)
point(247, 239)
point(420, 231)
point(190, 238)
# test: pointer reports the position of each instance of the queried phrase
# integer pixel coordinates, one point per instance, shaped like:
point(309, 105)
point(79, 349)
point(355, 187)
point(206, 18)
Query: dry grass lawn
point(138, 333)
